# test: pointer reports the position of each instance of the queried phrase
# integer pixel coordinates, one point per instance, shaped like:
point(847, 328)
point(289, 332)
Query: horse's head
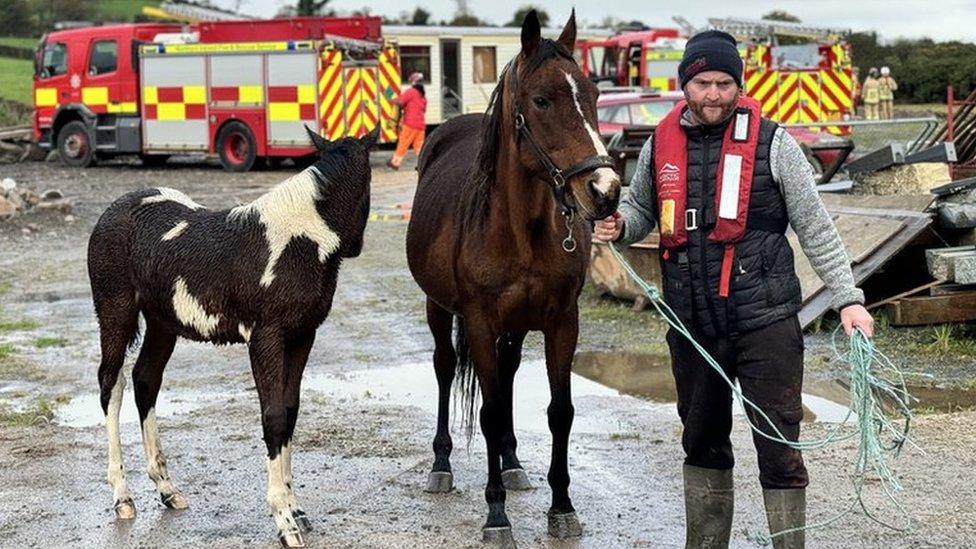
point(558, 125)
point(344, 186)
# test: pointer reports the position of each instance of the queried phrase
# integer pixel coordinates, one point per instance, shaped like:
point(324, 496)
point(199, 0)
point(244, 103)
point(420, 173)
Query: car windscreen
point(649, 113)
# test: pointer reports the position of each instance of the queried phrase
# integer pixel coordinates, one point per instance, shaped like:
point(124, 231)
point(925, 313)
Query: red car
point(616, 111)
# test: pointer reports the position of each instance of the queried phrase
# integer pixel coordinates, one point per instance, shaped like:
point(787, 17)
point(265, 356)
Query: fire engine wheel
point(236, 146)
point(75, 145)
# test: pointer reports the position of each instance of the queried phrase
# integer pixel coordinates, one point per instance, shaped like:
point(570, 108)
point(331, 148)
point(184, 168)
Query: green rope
point(873, 378)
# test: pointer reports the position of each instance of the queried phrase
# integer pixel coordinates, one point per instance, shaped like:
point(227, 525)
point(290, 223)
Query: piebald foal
point(263, 274)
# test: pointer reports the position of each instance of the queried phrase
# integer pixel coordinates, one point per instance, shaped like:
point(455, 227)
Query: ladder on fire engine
point(751, 29)
point(191, 13)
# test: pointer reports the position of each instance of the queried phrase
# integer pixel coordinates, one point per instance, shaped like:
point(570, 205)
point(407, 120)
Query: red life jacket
point(733, 182)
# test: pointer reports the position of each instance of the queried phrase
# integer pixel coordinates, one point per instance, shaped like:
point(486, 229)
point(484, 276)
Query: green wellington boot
point(709, 502)
point(786, 509)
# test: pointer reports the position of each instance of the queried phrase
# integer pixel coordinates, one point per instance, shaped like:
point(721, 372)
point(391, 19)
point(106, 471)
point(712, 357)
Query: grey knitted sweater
point(815, 229)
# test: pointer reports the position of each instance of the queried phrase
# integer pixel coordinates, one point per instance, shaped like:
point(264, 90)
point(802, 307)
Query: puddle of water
point(928, 398)
point(649, 377)
point(415, 384)
point(86, 410)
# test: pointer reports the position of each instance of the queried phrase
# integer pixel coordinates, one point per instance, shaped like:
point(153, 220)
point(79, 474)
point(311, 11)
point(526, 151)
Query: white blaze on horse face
point(172, 195)
point(606, 177)
point(190, 312)
point(116, 474)
point(288, 211)
point(176, 231)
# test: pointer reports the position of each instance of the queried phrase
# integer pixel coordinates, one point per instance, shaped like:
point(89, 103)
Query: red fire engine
point(810, 81)
point(618, 59)
point(240, 90)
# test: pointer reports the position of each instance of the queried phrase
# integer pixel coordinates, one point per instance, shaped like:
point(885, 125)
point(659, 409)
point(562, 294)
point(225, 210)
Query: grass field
point(19, 42)
point(115, 10)
point(16, 76)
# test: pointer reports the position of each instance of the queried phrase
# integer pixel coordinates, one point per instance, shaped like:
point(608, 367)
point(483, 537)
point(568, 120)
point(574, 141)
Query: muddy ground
point(364, 433)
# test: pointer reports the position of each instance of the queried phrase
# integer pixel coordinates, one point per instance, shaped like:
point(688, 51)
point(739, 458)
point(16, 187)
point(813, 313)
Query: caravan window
point(484, 65)
point(415, 59)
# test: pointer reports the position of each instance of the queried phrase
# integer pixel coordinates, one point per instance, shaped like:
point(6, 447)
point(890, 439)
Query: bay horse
point(263, 274)
point(499, 241)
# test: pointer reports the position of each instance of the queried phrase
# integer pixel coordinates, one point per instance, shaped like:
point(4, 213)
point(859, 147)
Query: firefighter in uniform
point(886, 93)
point(871, 92)
point(722, 184)
point(413, 115)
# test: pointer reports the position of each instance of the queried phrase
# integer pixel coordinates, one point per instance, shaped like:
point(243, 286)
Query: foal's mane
point(481, 177)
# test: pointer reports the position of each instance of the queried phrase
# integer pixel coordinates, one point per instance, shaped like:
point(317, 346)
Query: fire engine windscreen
point(796, 57)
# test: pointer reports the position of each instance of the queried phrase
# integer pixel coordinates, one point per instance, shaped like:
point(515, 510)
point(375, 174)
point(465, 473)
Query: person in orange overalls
point(413, 111)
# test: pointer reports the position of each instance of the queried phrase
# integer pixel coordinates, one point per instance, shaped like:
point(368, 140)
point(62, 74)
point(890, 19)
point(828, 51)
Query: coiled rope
point(874, 379)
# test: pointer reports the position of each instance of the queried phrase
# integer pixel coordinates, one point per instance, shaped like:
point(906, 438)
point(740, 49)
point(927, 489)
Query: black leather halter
point(558, 177)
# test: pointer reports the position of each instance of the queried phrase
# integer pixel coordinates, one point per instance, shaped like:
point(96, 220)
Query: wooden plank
point(917, 311)
point(946, 289)
point(911, 202)
point(609, 277)
point(817, 304)
point(931, 286)
point(16, 132)
point(861, 235)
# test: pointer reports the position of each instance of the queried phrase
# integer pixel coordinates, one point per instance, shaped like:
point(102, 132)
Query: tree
point(15, 18)
point(465, 20)
point(420, 17)
point(780, 15)
point(463, 16)
point(310, 7)
point(520, 14)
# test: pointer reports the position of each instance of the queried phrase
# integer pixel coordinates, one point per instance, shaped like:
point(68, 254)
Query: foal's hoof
point(291, 539)
point(516, 479)
point(301, 519)
point(125, 509)
point(175, 501)
point(498, 537)
point(564, 525)
point(439, 482)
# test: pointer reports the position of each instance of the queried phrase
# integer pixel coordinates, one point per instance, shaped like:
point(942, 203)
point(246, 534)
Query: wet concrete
point(365, 428)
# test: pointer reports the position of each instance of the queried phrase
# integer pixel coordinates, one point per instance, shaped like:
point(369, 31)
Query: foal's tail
point(465, 380)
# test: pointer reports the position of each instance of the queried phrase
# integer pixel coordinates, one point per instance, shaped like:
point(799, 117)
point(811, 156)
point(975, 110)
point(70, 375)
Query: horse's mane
point(481, 177)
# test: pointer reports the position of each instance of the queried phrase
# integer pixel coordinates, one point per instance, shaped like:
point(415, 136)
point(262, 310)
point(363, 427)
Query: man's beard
point(698, 110)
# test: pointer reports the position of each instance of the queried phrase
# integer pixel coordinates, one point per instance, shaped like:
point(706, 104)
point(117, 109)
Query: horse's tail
point(465, 380)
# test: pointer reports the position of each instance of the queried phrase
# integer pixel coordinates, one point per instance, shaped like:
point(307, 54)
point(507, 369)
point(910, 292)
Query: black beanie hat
point(711, 50)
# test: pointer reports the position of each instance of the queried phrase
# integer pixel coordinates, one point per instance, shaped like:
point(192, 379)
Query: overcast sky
point(938, 19)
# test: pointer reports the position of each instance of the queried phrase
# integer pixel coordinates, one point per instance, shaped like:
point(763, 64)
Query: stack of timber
point(951, 296)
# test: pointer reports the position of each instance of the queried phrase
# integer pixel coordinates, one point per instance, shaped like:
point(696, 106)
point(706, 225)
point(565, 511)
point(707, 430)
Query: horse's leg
point(481, 343)
point(147, 375)
point(440, 321)
point(267, 350)
point(296, 356)
point(561, 338)
point(509, 357)
point(118, 321)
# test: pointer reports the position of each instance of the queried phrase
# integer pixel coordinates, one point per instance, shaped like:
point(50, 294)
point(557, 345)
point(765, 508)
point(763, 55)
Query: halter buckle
point(519, 121)
point(557, 178)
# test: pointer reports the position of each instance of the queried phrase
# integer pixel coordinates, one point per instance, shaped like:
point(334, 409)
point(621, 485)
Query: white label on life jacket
point(741, 132)
point(728, 206)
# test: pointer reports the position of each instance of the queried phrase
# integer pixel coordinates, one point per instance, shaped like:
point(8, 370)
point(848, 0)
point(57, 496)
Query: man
point(413, 110)
point(886, 94)
point(723, 184)
point(871, 92)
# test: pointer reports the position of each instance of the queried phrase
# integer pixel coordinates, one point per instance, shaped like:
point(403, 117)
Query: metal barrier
point(870, 135)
